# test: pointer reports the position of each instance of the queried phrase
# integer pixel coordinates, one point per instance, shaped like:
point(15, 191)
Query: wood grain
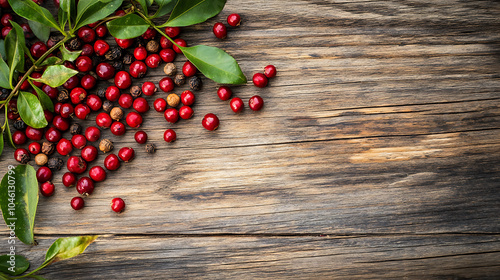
point(376, 156)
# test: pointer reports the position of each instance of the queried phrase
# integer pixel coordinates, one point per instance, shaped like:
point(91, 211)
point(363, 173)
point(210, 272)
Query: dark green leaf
point(8, 135)
point(164, 7)
point(4, 74)
point(1, 142)
point(189, 12)
point(31, 110)
point(13, 264)
point(90, 11)
point(14, 46)
point(56, 75)
point(69, 55)
point(68, 6)
point(62, 18)
point(126, 27)
point(32, 11)
point(19, 199)
point(41, 31)
point(215, 64)
point(51, 61)
point(2, 49)
point(45, 100)
point(144, 6)
point(68, 247)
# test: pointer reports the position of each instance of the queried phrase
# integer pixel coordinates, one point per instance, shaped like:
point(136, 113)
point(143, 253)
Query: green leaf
point(1, 142)
point(8, 135)
point(14, 47)
point(41, 31)
point(56, 75)
point(69, 11)
point(144, 6)
point(2, 48)
point(51, 61)
point(189, 12)
point(4, 74)
point(68, 247)
point(215, 64)
point(32, 11)
point(164, 7)
point(19, 199)
point(126, 27)
point(69, 55)
point(90, 11)
point(13, 264)
point(31, 110)
point(62, 17)
point(45, 100)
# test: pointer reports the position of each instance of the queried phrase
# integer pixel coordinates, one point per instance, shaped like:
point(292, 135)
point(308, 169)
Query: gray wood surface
point(376, 156)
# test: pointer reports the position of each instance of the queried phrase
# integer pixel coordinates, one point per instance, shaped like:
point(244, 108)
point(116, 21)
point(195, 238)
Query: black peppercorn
point(75, 129)
point(53, 40)
point(127, 59)
point(101, 92)
point(139, 42)
point(55, 164)
point(28, 63)
point(152, 46)
point(107, 106)
point(74, 44)
point(135, 91)
point(150, 148)
point(118, 65)
point(195, 83)
point(179, 80)
point(48, 148)
point(63, 96)
point(19, 125)
point(114, 53)
point(4, 94)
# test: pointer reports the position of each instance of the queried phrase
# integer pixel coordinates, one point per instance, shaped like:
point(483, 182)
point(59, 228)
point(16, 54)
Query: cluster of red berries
point(6, 18)
point(220, 30)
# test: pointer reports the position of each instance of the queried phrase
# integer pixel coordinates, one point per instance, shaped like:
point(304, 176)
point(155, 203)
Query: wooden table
point(377, 155)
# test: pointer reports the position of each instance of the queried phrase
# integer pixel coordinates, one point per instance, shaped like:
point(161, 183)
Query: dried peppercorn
point(150, 148)
point(41, 159)
point(135, 91)
point(106, 145)
point(101, 92)
point(48, 148)
point(127, 59)
point(19, 125)
point(170, 69)
point(114, 53)
point(75, 129)
point(173, 100)
point(63, 96)
point(195, 83)
point(118, 65)
point(152, 46)
point(116, 113)
point(179, 80)
point(107, 106)
point(55, 164)
point(75, 44)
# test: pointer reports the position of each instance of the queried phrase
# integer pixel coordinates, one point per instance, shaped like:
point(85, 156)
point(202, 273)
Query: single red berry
point(181, 43)
point(86, 34)
point(224, 93)
point(88, 81)
point(82, 111)
point(50, 91)
point(149, 88)
point(169, 135)
point(126, 154)
point(69, 179)
point(120, 13)
point(153, 61)
point(236, 104)
point(122, 80)
point(117, 204)
point(149, 34)
point(185, 112)
point(259, 80)
point(34, 134)
point(171, 115)
point(234, 20)
point(101, 47)
point(270, 71)
point(4, 4)
point(94, 102)
point(66, 110)
point(38, 49)
point(85, 186)
point(111, 162)
point(5, 20)
point(160, 105)
point(187, 98)
point(22, 156)
point(87, 50)
point(18, 137)
point(112, 93)
point(141, 137)
point(105, 71)
point(220, 30)
point(28, 33)
point(48, 115)
point(53, 135)
point(172, 32)
point(103, 120)
point(36, 75)
point(92, 133)
point(124, 43)
point(61, 123)
point(138, 69)
point(97, 173)
point(140, 53)
point(133, 119)
point(79, 141)
point(188, 69)
point(141, 105)
point(64, 147)
point(5, 31)
point(77, 95)
point(165, 43)
point(118, 128)
point(71, 83)
point(101, 31)
point(168, 55)
point(69, 64)
point(125, 101)
point(76, 165)
point(43, 174)
point(12, 115)
point(89, 153)
point(255, 103)
point(77, 203)
point(25, 85)
point(35, 148)
point(166, 84)
point(47, 189)
point(210, 122)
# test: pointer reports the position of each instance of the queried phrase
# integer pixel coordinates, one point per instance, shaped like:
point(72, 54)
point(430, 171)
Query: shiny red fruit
point(117, 205)
point(47, 189)
point(188, 69)
point(153, 61)
point(141, 105)
point(34, 134)
point(138, 69)
point(111, 162)
point(103, 120)
point(160, 105)
point(224, 93)
point(35, 148)
point(141, 137)
point(165, 43)
point(169, 135)
point(77, 95)
point(101, 47)
point(166, 84)
point(22, 156)
point(122, 80)
point(171, 115)
point(236, 104)
point(87, 50)
point(172, 32)
point(185, 112)
point(43, 174)
point(220, 30)
point(88, 82)
point(79, 141)
point(187, 98)
point(179, 42)
point(86, 34)
point(270, 71)
point(168, 55)
point(126, 154)
point(233, 20)
point(105, 71)
point(38, 49)
point(124, 43)
point(77, 203)
point(149, 88)
point(92, 133)
point(18, 138)
point(101, 31)
point(85, 186)
point(53, 135)
point(82, 111)
point(112, 93)
point(140, 53)
point(259, 80)
point(64, 147)
point(69, 179)
point(97, 173)
point(210, 122)
point(94, 102)
point(76, 165)
point(125, 101)
point(133, 119)
point(255, 103)
point(89, 153)
point(118, 128)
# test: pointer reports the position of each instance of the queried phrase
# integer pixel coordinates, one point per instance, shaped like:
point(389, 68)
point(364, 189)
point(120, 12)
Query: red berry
point(71, 83)
point(188, 69)
point(34, 134)
point(117, 204)
point(112, 93)
point(101, 47)
point(53, 135)
point(166, 84)
point(69, 179)
point(25, 85)
point(187, 98)
point(79, 141)
point(179, 42)
point(133, 119)
point(171, 115)
point(57, 108)
point(111, 162)
point(38, 49)
point(185, 112)
point(4, 4)
point(85, 186)
point(18, 137)
point(43, 174)
point(160, 105)
point(148, 88)
point(153, 61)
point(48, 115)
point(66, 110)
point(141, 137)
point(87, 50)
point(149, 34)
point(97, 173)
point(105, 71)
point(140, 53)
point(122, 80)
point(94, 102)
point(69, 64)
point(255, 103)
point(220, 30)
point(165, 43)
point(210, 122)
point(34, 148)
point(77, 203)
point(124, 43)
point(270, 71)
point(82, 111)
point(64, 147)
point(118, 128)
point(61, 123)
point(92, 133)
point(233, 19)
point(5, 20)
point(141, 105)
point(77, 95)
point(236, 104)
point(138, 69)
point(36, 75)
point(168, 55)
point(89, 153)
point(172, 32)
point(86, 34)
point(125, 101)
point(5, 31)
point(120, 13)
point(169, 135)
point(28, 33)
point(259, 80)
point(126, 154)
point(76, 165)
point(101, 31)
point(47, 189)
point(103, 120)
point(50, 91)
point(22, 156)
point(224, 93)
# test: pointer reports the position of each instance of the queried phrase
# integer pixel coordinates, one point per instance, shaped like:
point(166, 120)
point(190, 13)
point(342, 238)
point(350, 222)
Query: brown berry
point(170, 69)
point(75, 129)
point(127, 59)
point(41, 159)
point(48, 148)
point(116, 113)
point(179, 80)
point(173, 100)
point(106, 145)
point(63, 96)
point(107, 106)
point(135, 91)
point(152, 46)
point(114, 53)
point(150, 148)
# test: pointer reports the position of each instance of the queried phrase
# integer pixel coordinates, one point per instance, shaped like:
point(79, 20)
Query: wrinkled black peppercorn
point(53, 40)
point(19, 125)
point(25, 158)
point(107, 106)
point(75, 129)
point(127, 59)
point(135, 91)
point(101, 92)
point(55, 164)
point(114, 53)
point(74, 44)
point(118, 65)
point(195, 83)
point(96, 60)
point(63, 96)
point(179, 80)
point(150, 148)
point(4, 94)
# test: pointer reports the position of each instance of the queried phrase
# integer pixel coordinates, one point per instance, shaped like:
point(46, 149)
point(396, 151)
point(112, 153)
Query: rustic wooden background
point(376, 156)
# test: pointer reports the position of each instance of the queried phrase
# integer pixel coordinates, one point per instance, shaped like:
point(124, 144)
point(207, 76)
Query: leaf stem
point(44, 264)
point(158, 29)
